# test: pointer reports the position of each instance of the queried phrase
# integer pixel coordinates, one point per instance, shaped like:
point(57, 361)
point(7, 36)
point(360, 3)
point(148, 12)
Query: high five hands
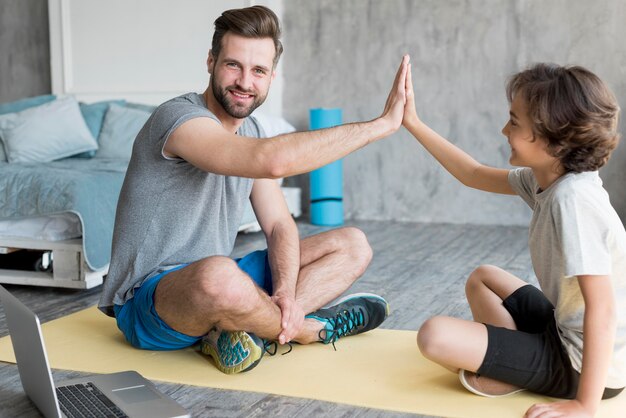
point(400, 106)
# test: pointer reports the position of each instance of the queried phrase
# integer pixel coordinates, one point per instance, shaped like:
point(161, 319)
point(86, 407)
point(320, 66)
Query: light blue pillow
point(119, 129)
point(93, 113)
point(46, 133)
point(141, 106)
point(19, 105)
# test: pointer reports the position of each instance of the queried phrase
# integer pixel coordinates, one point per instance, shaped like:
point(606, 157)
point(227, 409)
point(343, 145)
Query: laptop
point(123, 394)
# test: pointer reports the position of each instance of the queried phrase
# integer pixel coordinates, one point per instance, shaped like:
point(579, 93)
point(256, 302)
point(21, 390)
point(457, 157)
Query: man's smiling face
point(242, 73)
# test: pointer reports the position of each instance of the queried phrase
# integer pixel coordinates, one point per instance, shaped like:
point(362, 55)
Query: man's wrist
point(381, 127)
point(281, 292)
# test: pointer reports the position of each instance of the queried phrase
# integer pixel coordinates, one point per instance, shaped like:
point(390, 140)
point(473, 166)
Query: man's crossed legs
point(228, 302)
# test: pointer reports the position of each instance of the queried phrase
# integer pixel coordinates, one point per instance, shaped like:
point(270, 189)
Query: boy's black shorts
point(533, 356)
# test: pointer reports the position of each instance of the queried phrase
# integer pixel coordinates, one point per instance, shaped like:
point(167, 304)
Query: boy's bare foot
point(486, 386)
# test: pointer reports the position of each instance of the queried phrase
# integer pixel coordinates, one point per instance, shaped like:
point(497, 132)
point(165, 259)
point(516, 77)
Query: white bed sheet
point(55, 227)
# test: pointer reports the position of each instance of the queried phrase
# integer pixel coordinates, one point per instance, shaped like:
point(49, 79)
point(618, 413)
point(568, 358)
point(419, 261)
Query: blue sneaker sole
point(246, 364)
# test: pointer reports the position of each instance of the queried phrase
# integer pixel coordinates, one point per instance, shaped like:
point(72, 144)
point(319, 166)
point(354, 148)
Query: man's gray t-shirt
point(170, 212)
point(575, 231)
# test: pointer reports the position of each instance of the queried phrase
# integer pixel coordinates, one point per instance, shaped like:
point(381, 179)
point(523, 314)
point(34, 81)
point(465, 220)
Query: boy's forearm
point(599, 335)
point(460, 164)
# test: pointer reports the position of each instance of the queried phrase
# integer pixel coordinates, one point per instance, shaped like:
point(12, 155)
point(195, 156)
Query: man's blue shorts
point(142, 327)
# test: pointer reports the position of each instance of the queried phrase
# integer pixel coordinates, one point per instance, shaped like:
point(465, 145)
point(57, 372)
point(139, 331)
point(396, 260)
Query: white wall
point(141, 50)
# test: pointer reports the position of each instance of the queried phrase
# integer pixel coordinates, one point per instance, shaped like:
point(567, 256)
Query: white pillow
point(273, 125)
point(46, 133)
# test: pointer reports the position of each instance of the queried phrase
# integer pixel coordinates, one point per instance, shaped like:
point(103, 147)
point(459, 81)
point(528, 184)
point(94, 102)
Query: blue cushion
point(93, 113)
point(45, 133)
point(23, 104)
point(119, 129)
point(19, 105)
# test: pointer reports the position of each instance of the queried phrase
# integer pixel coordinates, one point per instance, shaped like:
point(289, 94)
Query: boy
point(569, 341)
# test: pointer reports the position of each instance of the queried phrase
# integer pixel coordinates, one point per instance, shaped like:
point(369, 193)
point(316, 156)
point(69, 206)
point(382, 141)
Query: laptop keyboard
point(85, 400)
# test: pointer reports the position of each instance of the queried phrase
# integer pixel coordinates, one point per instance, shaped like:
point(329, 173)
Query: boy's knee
point(477, 277)
point(431, 338)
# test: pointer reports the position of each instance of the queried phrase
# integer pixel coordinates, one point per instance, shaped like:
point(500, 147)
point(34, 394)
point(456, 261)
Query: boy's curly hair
point(573, 110)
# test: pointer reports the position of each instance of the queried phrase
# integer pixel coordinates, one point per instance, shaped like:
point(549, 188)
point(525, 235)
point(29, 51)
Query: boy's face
point(527, 150)
point(242, 73)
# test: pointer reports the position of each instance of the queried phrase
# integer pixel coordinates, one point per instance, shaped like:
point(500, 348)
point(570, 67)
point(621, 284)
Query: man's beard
point(239, 112)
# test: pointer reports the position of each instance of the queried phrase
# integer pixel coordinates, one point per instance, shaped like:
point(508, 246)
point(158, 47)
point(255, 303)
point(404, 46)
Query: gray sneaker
point(233, 352)
point(351, 315)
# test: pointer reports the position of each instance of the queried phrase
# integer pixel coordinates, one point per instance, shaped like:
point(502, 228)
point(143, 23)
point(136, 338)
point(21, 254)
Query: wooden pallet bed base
point(69, 267)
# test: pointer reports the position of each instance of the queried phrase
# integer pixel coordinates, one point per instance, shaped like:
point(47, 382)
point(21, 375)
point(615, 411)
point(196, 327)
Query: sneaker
point(350, 315)
point(486, 386)
point(233, 352)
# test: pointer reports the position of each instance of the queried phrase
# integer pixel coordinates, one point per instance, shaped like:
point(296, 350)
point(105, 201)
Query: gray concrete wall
point(344, 54)
point(24, 49)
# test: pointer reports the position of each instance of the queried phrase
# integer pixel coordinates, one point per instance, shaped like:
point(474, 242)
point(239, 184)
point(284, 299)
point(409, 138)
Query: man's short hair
point(249, 22)
point(573, 110)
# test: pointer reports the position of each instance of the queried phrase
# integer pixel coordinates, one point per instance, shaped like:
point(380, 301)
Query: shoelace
point(343, 324)
point(271, 347)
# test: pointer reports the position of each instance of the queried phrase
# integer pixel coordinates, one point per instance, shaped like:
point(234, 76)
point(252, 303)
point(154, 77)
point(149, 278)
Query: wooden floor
point(419, 268)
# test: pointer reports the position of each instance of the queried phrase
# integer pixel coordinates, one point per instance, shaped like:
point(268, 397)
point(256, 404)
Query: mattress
point(56, 227)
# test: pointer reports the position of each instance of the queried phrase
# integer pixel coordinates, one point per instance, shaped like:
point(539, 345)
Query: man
point(194, 164)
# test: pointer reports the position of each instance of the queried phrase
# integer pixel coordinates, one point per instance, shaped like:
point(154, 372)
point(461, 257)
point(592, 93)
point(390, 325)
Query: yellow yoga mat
point(380, 369)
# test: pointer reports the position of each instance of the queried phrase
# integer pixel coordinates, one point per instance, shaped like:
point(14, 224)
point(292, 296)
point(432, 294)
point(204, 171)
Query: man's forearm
point(284, 258)
point(301, 152)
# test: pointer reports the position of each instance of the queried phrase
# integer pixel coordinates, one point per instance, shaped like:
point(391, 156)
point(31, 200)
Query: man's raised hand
point(394, 107)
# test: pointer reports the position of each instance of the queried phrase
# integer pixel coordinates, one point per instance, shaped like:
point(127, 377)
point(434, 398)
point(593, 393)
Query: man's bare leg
point(214, 292)
point(330, 263)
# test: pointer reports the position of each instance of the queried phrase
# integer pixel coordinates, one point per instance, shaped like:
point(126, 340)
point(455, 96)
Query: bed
point(79, 193)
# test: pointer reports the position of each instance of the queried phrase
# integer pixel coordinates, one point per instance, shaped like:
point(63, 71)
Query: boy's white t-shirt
point(575, 231)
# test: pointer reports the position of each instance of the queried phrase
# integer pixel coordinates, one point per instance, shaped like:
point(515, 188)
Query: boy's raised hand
point(410, 113)
point(394, 107)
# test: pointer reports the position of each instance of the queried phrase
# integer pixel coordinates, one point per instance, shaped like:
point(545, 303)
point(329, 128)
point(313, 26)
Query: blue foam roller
point(324, 118)
point(326, 183)
point(327, 213)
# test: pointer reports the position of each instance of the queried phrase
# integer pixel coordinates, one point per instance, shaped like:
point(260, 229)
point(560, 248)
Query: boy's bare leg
point(459, 344)
point(486, 288)
point(453, 343)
